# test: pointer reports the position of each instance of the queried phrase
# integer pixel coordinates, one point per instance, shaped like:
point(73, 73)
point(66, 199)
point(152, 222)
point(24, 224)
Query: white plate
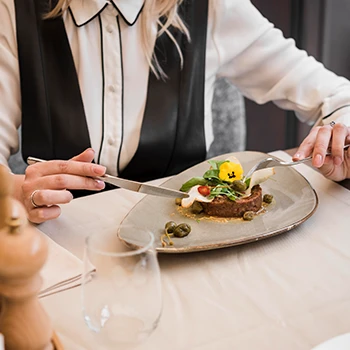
point(294, 202)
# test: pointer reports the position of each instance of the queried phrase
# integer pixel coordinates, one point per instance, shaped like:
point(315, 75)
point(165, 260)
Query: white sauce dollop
point(194, 195)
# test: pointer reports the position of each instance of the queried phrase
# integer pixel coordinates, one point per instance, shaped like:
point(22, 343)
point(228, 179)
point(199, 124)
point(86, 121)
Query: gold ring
point(32, 199)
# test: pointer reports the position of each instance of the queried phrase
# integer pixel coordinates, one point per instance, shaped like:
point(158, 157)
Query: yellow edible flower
point(230, 172)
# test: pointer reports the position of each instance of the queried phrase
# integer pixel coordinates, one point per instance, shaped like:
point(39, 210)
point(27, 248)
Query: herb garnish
point(221, 179)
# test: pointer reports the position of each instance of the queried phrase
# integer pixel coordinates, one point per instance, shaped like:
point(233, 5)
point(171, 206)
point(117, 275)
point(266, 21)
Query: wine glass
point(121, 286)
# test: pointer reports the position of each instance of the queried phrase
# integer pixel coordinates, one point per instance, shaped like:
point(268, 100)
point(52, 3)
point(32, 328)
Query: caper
point(239, 185)
point(196, 208)
point(178, 201)
point(170, 226)
point(267, 198)
point(182, 230)
point(248, 215)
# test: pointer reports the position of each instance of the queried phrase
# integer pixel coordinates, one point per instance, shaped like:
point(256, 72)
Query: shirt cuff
point(340, 115)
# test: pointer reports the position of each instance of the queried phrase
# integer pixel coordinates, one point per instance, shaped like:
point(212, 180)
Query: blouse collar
point(83, 11)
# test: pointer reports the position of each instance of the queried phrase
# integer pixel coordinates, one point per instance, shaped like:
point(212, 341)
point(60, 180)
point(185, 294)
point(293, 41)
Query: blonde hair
point(152, 11)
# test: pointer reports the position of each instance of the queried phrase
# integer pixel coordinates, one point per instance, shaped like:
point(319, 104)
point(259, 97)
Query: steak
point(224, 207)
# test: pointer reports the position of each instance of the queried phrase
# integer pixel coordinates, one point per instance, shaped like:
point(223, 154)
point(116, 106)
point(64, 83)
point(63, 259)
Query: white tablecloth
point(291, 291)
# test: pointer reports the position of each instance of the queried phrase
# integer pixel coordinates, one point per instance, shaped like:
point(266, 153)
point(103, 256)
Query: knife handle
point(33, 160)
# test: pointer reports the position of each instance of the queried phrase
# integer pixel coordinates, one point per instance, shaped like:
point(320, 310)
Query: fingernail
point(337, 161)
point(297, 156)
point(318, 160)
point(99, 170)
point(99, 184)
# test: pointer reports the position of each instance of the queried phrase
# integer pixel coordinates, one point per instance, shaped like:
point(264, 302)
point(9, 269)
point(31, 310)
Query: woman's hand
point(335, 167)
point(47, 184)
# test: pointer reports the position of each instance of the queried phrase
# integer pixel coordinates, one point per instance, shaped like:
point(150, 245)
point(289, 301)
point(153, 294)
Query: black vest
point(53, 118)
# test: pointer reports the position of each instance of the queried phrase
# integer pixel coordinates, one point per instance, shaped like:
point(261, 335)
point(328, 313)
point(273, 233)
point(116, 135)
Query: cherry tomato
point(204, 190)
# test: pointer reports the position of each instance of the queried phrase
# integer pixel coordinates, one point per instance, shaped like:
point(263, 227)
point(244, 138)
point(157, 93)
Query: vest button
point(109, 28)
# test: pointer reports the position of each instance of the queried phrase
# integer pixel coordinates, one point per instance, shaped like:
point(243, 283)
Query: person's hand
point(336, 166)
point(47, 184)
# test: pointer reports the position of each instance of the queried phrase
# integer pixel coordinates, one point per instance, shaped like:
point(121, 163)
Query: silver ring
point(32, 199)
point(332, 123)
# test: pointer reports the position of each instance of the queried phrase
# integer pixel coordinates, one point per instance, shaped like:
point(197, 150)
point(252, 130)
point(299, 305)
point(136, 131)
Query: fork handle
point(327, 154)
point(304, 160)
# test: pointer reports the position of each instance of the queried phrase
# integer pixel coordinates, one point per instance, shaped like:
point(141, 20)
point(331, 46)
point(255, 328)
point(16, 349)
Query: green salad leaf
point(213, 175)
point(223, 190)
point(215, 164)
point(211, 178)
point(193, 182)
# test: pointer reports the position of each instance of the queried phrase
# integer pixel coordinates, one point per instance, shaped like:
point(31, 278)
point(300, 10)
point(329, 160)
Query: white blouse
point(105, 39)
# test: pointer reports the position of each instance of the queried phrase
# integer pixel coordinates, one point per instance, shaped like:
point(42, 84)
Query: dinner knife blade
point(129, 184)
point(142, 187)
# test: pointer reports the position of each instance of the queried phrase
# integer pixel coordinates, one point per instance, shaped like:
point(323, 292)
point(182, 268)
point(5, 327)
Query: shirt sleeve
point(10, 108)
point(265, 66)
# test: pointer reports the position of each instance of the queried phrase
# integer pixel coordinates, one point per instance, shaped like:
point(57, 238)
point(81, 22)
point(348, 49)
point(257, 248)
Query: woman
point(129, 84)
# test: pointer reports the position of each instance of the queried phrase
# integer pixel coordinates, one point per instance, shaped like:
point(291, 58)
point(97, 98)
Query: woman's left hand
point(336, 166)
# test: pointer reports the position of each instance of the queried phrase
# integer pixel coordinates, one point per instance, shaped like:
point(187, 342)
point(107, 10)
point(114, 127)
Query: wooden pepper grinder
point(23, 251)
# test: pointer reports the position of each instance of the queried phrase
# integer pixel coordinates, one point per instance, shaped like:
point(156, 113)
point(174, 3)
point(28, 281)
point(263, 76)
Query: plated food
point(294, 201)
point(223, 191)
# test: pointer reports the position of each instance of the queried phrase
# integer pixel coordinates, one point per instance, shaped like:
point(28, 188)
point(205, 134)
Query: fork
point(272, 162)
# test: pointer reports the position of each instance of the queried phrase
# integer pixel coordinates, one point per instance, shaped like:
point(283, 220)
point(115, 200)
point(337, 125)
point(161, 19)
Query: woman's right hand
point(335, 167)
point(47, 184)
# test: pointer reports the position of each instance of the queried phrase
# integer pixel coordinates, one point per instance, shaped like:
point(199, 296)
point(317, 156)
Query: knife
point(129, 184)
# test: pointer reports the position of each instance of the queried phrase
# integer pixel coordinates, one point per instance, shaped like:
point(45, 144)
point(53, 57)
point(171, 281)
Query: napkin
point(62, 270)
point(341, 342)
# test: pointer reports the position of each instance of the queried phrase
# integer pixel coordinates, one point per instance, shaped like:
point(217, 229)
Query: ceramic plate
point(294, 202)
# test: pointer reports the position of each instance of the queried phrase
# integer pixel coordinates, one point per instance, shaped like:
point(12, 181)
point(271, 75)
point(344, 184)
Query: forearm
point(266, 67)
